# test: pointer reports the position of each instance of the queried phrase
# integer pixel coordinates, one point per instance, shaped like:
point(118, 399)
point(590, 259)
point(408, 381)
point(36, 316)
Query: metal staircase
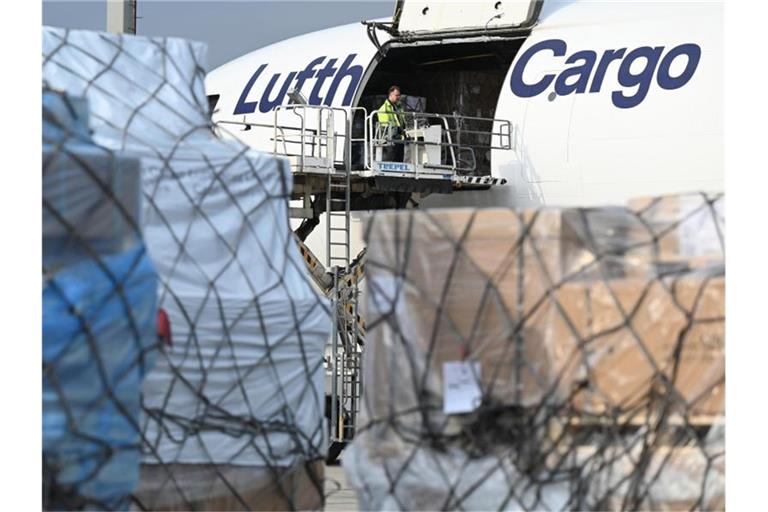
point(350, 392)
point(338, 221)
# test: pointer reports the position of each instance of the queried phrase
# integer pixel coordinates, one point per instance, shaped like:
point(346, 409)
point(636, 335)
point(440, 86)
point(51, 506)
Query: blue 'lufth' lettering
point(273, 95)
point(575, 79)
point(242, 106)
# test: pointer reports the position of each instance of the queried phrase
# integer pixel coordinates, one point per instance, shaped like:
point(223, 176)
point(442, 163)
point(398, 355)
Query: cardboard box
point(554, 346)
point(651, 236)
point(594, 242)
point(450, 285)
point(487, 286)
point(620, 338)
point(679, 228)
point(179, 487)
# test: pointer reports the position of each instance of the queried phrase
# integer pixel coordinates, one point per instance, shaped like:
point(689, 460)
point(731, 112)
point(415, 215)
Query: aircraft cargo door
point(436, 17)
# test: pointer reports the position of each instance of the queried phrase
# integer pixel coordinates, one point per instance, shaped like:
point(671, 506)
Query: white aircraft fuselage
point(608, 100)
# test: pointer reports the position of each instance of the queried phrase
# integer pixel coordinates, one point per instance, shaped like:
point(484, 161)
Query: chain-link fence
point(187, 376)
point(544, 359)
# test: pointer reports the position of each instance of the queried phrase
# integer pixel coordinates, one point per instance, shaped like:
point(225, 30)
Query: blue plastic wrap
point(99, 313)
point(91, 194)
point(98, 344)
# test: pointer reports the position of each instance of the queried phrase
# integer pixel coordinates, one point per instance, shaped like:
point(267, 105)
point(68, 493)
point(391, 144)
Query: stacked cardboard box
point(489, 285)
point(555, 327)
point(648, 237)
point(228, 487)
point(640, 343)
point(680, 231)
point(452, 284)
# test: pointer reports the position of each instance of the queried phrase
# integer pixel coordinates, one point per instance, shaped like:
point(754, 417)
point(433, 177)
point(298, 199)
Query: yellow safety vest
point(389, 114)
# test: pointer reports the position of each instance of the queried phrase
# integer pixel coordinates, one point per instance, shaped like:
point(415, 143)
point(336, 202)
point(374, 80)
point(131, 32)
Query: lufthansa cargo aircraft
point(601, 100)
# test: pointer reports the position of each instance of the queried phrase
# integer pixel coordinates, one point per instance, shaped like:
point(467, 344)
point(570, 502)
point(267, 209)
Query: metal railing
point(311, 134)
point(316, 134)
point(345, 367)
point(318, 142)
point(459, 134)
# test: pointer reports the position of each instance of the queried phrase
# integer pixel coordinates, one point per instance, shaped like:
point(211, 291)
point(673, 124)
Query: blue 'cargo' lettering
point(665, 80)
point(636, 82)
point(524, 90)
point(642, 79)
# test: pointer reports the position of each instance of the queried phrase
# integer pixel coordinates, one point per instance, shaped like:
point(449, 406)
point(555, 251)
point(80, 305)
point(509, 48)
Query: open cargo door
point(424, 19)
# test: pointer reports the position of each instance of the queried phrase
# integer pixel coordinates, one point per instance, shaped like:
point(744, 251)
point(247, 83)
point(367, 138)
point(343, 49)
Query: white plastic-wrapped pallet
point(241, 383)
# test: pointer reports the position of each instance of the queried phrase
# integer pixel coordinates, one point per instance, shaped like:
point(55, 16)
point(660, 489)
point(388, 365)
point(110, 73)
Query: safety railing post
point(274, 132)
point(334, 354)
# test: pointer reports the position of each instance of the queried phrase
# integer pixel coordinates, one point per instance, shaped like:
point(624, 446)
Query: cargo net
point(544, 359)
point(182, 339)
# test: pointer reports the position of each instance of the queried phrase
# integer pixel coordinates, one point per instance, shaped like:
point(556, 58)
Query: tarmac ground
point(338, 495)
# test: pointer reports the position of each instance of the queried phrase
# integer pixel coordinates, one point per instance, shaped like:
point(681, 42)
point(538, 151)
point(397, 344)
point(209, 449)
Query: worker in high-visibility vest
point(390, 113)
